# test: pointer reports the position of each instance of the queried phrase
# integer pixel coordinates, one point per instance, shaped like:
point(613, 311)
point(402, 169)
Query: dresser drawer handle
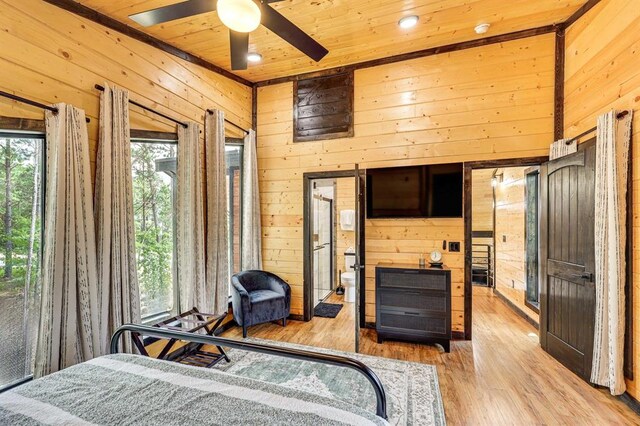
point(413, 293)
point(412, 313)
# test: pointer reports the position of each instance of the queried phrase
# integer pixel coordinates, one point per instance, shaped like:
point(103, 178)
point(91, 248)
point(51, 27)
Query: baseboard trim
point(457, 335)
point(516, 308)
point(295, 317)
point(630, 402)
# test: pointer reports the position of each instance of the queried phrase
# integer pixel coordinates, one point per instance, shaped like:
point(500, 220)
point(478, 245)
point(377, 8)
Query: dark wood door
point(567, 293)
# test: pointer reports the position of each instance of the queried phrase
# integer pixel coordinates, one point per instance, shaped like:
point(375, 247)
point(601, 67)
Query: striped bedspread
point(134, 390)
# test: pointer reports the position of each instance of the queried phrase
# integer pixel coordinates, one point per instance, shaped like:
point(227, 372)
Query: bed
point(124, 389)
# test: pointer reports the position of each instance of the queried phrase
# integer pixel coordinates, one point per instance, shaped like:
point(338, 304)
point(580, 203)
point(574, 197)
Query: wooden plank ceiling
point(352, 30)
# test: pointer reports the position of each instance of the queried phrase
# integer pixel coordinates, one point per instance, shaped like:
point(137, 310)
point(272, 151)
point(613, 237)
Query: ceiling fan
point(241, 17)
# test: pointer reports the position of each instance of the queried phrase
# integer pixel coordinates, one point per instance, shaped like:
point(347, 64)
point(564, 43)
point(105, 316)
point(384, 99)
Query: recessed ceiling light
point(482, 28)
point(408, 21)
point(254, 57)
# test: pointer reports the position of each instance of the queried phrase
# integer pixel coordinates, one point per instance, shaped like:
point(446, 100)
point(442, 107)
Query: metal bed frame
point(340, 361)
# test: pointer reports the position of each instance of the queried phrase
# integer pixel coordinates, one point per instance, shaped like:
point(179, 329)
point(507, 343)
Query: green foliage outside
point(20, 210)
point(154, 215)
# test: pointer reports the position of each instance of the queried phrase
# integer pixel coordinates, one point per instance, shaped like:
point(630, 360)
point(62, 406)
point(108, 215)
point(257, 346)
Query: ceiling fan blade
point(293, 35)
point(173, 12)
point(239, 50)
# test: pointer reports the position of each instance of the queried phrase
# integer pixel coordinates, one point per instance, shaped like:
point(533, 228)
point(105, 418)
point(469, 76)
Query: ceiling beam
point(95, 16)
point(580, 12)
point(99, 18)
point(558, 93)
point(418, 54)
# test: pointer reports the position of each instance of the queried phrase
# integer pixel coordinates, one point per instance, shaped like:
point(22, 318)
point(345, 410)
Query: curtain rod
point(32, 103)
point(146, 108)
point(210, 111)
point(183, 124)
point(619, 116)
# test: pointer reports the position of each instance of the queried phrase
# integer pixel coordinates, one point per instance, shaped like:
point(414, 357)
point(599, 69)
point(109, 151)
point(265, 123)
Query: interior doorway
point(505, 235)
point(331, 237)
point(498, 252)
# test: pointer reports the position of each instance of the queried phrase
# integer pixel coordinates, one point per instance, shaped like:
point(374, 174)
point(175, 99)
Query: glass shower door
point(323, 248)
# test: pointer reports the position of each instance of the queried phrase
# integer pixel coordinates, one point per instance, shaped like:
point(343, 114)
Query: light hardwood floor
point(501, 377)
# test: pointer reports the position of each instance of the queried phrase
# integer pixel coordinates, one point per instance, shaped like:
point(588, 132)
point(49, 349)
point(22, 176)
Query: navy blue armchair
point(258, 297)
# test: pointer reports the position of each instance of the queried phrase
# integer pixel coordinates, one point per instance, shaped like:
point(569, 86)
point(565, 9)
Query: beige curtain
point(190, 222)
point(612, 160)
point(118, 293)
point(217, 229)
point(251, 226)
point(69, 323)
point(560, 148)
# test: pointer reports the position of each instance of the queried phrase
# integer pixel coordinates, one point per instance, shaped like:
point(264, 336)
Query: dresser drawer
point(412, 279)
point(412, 323)
point(399, 299)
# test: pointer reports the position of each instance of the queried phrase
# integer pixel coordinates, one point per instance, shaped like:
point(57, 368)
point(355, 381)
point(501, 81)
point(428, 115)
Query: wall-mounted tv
point(415, 192)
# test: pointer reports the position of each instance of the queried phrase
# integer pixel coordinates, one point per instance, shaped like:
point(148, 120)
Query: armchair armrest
point(240, 299)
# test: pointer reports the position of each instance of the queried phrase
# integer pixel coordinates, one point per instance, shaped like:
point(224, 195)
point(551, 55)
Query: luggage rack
point(192, 321)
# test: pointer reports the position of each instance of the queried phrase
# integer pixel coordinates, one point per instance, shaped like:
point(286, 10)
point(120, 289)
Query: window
point(21, 204)
point(531, 237)
point(154, 184)
point(233, 158)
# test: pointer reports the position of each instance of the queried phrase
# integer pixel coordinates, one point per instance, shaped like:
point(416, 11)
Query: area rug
point(412, 389)
point(327, 310)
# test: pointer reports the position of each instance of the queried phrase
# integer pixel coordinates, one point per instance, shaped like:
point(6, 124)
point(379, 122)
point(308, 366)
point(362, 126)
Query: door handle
point(357, 267)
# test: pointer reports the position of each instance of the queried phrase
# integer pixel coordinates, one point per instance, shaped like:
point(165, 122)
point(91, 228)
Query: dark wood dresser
point(413, 303)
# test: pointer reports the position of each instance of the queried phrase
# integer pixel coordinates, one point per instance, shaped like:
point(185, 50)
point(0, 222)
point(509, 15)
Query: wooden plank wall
point(345, 199)
point(482, 199)
point(602, 72)
point(511, 254)
point(484, 103)
point(50, 55)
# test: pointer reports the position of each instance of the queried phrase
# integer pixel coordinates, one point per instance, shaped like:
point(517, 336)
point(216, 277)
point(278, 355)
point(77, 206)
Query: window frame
point(235, 142)
point(17, 128)
point(166, 138)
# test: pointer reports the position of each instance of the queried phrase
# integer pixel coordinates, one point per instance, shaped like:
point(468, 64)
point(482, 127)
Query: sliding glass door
point(21, 206)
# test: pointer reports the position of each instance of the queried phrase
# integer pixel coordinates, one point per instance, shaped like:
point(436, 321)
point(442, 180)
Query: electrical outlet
point(454, 246)
point(504, 238)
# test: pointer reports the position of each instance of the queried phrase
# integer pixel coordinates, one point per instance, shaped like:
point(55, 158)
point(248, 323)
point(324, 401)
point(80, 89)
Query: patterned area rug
point(413, 392)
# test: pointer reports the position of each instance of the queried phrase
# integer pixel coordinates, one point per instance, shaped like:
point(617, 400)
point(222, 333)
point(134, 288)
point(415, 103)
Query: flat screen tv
point(433, 191)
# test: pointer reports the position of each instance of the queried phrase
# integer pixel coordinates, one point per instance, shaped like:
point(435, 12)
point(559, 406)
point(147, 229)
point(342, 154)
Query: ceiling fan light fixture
point(242, 16)
point(408, 21)
point(254, 57)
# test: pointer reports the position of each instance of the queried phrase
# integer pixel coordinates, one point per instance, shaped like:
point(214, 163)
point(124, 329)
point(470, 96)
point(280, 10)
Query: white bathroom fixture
point(348, 278)
point(348, 220)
